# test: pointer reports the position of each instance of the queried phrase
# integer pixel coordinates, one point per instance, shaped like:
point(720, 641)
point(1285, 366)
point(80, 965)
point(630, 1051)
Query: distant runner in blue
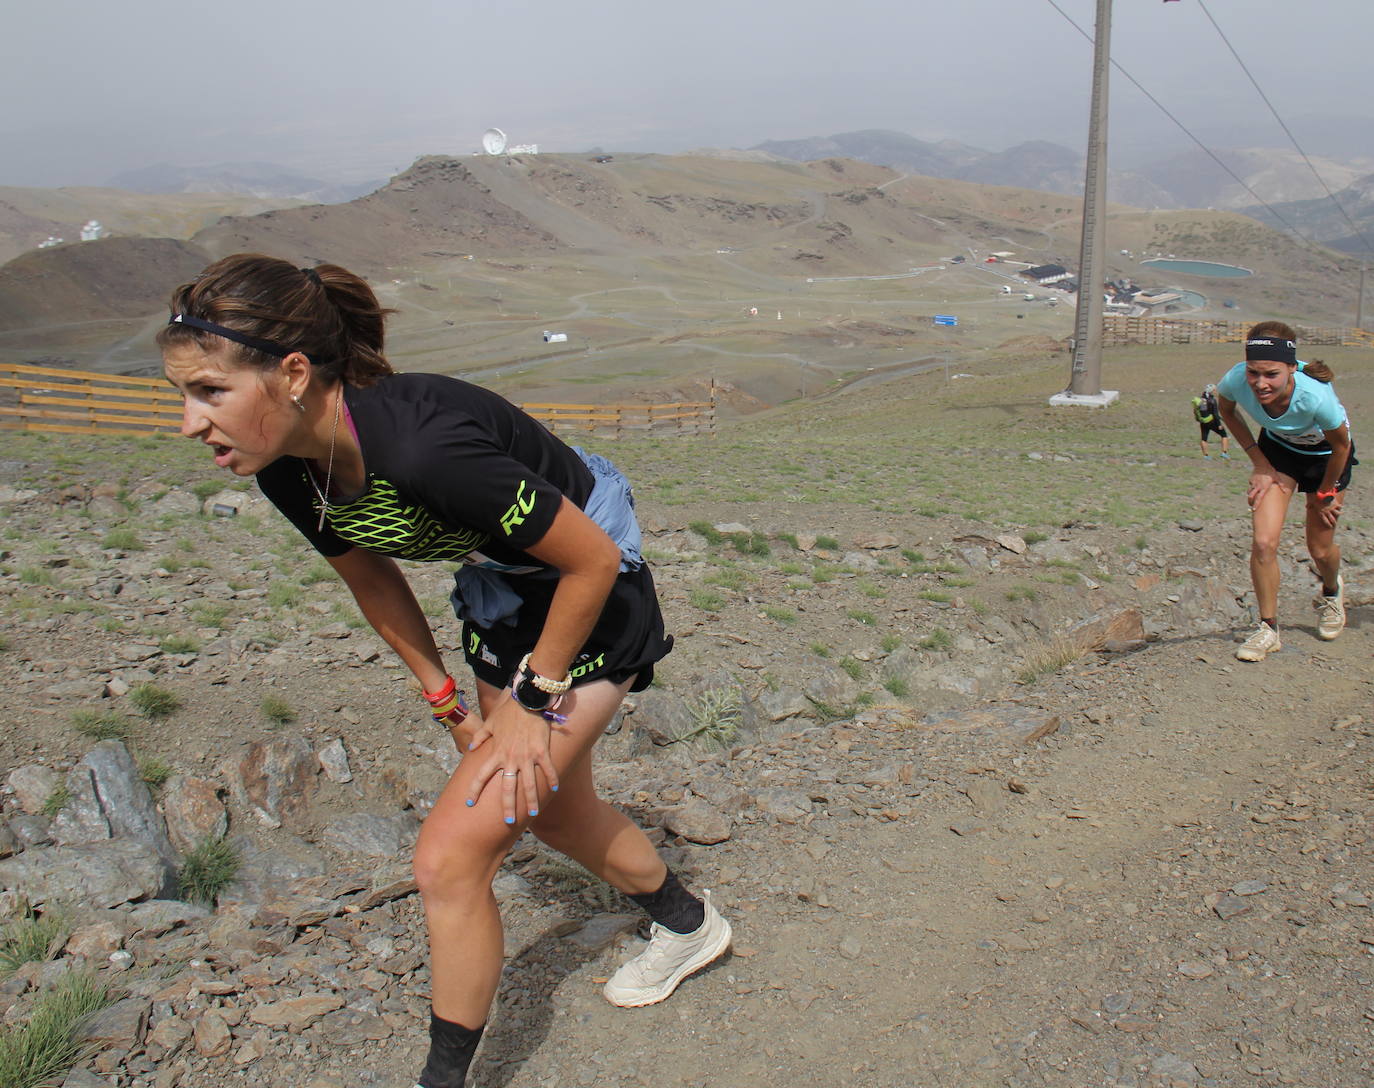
point(1304, 445)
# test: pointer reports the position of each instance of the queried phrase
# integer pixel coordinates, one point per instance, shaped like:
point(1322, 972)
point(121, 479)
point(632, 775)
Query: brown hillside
point(89, 281)
point(437, 209)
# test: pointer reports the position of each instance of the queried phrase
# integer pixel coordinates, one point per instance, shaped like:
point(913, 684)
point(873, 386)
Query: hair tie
point(312, 276)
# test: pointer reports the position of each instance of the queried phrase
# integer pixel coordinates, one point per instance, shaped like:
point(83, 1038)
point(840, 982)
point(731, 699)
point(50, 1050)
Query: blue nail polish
point(470, 802)
point(534, 812)
point(510, 819)
point(472, 745)
point(554, 788)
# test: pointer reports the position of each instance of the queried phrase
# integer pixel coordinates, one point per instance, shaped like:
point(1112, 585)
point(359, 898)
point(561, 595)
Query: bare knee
point(448, 868)
point(1265, 549)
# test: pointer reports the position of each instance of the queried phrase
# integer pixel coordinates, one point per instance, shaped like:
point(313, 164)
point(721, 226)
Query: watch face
point(529, 696)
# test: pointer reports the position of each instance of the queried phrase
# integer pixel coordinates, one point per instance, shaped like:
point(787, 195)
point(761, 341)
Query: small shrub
point(123, 540)
point(853, 666)
point(937, 595)
point(789, 538)
point(938, 639)
point(154, 702)
point(277, 710)
point(715, 716)
point(706, 600)
point(56, 801)
point(572, 879)
point(828, 543)
point(203, 489)
point(1049, 657)
point(780, 615)
point(1034, 537)
point(210, 613)
point(154, 772)
point(318, 571)
point(178, 644)
point(283, 595)
point(35, 576)
point(1021, 593)
point(820, 649)
point(207, 870)
point(858, 615)
point(31, 938)
point(751, 544)
point(707, 531)
point(41, 1050)
point(912, 556)
point(820, 574)
point(897, 686)
point(171, 564)
point(891, 642)
point(868, 589)
point(102, 724)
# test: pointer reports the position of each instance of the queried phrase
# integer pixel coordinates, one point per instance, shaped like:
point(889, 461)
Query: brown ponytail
point(327, 313)
point(1319, 370)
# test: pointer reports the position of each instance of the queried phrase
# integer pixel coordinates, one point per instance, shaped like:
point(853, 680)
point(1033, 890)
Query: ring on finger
point(510, 774)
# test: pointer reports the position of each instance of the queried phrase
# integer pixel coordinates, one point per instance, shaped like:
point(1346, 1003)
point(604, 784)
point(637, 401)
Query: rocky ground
point(999, 809)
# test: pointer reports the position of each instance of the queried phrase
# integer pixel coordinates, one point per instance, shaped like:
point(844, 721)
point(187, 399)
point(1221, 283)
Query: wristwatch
point(534, 692)
point(524, 692)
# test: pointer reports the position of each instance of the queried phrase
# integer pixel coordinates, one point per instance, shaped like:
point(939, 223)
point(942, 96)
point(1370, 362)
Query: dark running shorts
point(1307, 468)
point(1214, 427)
point(626, 641)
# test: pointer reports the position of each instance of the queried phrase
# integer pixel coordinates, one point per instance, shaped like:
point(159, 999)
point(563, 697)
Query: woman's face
point(1270, 380)
point(243, 414)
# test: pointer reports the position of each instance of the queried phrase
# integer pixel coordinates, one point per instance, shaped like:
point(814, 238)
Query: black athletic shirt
point(453, 472)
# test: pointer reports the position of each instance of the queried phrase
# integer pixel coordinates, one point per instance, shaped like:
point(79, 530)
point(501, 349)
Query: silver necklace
point(329, 467)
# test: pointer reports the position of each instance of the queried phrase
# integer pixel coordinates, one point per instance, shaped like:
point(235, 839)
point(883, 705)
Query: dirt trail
point(1065, 936)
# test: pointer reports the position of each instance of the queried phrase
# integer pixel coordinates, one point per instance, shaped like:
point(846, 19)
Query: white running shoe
point(1331, 612)
point(1264, 641)
point(654, 974)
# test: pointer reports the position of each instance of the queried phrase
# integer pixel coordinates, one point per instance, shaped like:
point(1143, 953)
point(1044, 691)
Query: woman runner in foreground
point(282, 375)
point(1304, 445)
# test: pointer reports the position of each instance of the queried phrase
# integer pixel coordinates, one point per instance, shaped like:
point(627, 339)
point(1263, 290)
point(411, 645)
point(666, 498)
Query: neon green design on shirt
point(381, 522)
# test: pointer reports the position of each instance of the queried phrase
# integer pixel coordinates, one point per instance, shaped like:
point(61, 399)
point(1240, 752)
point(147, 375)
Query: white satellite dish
point(494, 141)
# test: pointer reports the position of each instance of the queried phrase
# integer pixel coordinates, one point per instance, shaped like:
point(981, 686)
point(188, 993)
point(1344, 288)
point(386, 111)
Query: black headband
point(1271, 349)
point(267, 347)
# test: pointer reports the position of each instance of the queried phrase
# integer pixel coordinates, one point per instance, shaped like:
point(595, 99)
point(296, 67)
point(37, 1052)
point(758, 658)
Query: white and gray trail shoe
point(654, 974)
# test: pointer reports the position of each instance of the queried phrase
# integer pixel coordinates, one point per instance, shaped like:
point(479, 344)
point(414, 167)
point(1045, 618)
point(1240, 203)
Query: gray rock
point(103, 874)
point(602, 930)
point(334, 761)
point(371, 835)
point(786, 702)
point(8, 843)
point(119, 1025)
point(31, 830)
point(697, 821)
point(159, 916)
point(661, 716)
point(831, 685)
point(110, 800)
point(783, 804)
point(175, 504)
point(32, 785)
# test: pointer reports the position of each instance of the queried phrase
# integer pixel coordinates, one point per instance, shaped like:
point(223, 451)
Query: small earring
point(297, 402)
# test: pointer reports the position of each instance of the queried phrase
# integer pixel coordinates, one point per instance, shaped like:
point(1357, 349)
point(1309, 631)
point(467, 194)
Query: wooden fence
point(1120, 329)
point(82, 402)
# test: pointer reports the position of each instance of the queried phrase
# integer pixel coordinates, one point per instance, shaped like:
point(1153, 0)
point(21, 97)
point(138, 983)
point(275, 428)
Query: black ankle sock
point(451, 1047)
point(1330, 592)
point(1273, 624)
point(673, 906)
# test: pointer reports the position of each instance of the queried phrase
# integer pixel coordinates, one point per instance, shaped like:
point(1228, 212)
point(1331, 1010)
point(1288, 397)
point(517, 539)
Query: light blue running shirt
point(1312, 409)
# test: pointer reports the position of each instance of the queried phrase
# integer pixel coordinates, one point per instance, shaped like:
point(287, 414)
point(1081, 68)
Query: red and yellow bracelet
point(448, 704)
point(1327, 496)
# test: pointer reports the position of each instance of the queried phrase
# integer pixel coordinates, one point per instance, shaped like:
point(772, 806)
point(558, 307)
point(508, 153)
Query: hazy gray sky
point(351, 90)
